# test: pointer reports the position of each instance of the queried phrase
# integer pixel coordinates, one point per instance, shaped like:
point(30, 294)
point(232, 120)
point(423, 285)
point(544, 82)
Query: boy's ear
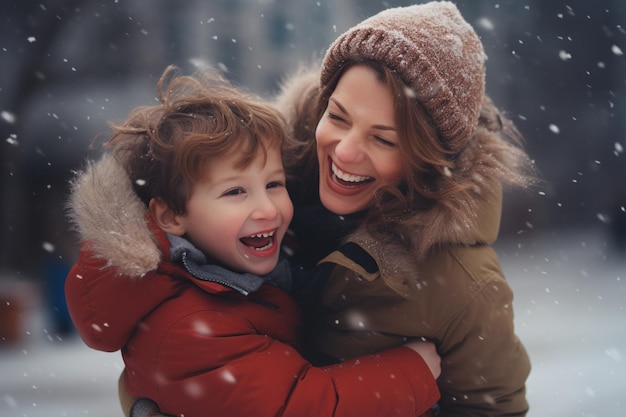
point(165, 218)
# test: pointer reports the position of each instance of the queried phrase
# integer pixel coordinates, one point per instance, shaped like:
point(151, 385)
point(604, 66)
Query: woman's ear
point(165, 217)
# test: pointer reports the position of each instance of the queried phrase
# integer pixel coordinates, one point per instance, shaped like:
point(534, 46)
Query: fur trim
point(297, 101)
point(471, 217)
point(297, 95)
point(108, 215)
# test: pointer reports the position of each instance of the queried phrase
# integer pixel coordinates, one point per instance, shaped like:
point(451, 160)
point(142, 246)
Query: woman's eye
point(385, 142)
point(333, 116)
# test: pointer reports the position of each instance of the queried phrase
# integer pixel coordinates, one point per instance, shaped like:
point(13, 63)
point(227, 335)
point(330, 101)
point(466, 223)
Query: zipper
point(217, 281)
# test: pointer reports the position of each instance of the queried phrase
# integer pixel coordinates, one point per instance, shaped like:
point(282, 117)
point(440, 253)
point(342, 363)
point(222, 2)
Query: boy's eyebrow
point(343, 110)
point(236, 177)
point(276, 171)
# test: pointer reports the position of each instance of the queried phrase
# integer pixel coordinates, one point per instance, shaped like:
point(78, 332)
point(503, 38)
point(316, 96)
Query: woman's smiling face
point(357, 142)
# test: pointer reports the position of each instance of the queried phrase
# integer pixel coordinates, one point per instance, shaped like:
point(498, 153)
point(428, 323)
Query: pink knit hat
point(435, 52)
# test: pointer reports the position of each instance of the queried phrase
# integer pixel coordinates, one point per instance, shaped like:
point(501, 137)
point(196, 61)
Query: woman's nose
point(349, 149)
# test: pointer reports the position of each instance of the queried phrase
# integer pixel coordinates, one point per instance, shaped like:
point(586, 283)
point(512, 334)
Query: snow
point(571, 314)
point(570, 292)
point(59, 379)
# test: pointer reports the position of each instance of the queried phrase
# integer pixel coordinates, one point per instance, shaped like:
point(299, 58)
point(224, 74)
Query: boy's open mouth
point(259, 241)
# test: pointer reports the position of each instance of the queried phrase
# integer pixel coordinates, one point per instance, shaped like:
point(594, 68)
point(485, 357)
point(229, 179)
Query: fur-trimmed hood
point(106, 212)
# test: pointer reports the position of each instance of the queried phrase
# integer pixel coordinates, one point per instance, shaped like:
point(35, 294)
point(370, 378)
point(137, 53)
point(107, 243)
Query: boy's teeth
point(266, 247)
point(266, 234)
point(259, 241)
point(347, 177)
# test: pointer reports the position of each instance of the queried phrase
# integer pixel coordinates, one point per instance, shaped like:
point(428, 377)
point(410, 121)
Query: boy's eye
point(275, 184)
point(234, 191)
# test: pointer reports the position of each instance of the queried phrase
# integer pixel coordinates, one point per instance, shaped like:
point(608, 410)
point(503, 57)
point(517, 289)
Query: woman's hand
point(428, 352)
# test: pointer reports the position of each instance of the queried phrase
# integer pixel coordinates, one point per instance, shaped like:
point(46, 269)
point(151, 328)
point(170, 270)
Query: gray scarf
point(197, 264)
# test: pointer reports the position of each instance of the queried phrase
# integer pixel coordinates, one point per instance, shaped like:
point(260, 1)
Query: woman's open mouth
point(347, 180)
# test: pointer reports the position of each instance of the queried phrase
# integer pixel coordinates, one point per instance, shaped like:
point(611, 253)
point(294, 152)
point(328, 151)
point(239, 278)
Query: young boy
point(181, 225)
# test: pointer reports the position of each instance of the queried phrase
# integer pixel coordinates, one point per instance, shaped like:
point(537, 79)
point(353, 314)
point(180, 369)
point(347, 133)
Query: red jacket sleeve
point(381, 385)
point(92, 294)
point(246, 374)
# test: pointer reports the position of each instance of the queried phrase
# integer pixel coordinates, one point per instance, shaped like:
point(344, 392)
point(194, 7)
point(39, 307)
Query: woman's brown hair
point(430, 172)
point(165, 148)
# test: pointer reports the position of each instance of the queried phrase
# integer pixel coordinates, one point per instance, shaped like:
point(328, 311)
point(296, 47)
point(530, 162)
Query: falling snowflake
point(202, 328)
point(228, 377)
point(565, 56)
point(10, 401)
point(12, 140)
point(8, 117)
point(614, 354)
point(194, 389)
point(486, 23)
point(409, 92)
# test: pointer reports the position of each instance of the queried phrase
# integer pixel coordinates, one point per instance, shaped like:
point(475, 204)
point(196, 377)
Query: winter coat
point(437, 278)
point(202, 347)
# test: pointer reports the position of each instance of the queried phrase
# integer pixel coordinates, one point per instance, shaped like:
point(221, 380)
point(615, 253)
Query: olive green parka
point(439, 279)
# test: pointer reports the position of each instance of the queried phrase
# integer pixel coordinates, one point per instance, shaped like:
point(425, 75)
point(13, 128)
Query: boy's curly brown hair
point(165, 148)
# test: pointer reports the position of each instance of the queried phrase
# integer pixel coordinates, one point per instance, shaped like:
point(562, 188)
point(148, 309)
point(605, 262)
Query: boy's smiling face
point(239, 217)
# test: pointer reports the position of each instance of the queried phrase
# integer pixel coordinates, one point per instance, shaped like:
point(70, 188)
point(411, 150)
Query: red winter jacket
point(200, 348)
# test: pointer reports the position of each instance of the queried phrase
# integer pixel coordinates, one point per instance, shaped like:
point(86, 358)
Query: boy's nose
point(265, 208)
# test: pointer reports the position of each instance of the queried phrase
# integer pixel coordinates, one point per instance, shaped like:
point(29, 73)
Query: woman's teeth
point(348, 177)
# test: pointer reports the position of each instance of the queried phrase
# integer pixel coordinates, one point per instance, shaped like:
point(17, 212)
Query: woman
point(411, 157)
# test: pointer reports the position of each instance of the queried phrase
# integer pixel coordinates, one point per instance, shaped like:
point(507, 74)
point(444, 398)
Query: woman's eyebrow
point(343, 110)
point(383, 127)
point(338, 104)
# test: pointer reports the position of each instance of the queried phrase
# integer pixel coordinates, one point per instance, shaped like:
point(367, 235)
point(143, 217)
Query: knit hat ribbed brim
point(434, 51)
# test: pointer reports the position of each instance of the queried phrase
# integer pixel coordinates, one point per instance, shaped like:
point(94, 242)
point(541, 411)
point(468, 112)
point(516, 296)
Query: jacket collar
point(198, 265)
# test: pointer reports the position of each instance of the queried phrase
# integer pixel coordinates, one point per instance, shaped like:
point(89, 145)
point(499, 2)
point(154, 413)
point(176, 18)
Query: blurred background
point(557, 68)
